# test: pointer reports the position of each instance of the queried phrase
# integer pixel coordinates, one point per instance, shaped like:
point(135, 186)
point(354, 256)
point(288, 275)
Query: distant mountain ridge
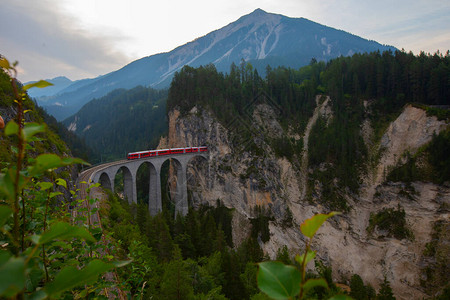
point(260, 38)
point(59, 84)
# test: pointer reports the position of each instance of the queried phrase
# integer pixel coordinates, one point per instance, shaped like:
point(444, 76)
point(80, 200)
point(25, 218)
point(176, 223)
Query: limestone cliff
point(246, 173)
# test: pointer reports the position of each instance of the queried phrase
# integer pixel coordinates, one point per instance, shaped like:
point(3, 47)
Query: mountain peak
point(257, 14)
point(259, 37)
point(258, 11)
point(259, 17)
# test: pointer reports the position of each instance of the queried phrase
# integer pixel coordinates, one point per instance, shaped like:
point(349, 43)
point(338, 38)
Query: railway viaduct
point(105, 174)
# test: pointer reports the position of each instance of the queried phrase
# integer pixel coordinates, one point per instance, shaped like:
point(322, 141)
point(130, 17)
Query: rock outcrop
point(242, 179)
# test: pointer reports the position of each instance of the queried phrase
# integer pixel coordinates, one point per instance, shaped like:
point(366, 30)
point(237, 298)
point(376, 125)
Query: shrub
point(391, 220)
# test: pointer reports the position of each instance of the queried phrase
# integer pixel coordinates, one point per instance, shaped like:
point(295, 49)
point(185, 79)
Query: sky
point(87, 38)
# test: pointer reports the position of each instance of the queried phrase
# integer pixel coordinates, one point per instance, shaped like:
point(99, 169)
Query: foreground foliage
point(42, 253)
point(280, 281)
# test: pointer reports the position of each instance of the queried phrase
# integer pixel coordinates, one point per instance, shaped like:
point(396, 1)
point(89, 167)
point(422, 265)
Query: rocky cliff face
point(246, 174)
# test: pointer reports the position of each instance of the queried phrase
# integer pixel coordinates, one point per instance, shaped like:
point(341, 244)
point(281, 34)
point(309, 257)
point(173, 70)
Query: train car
point(177, 151)
point(136, 155)
point(161, 152)
point(133, 156)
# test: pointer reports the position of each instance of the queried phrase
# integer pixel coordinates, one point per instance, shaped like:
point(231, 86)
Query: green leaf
point(73, 160)
point(31, 129)
point(309, 256)
point(312, 283)
point(4, 63)
point(5, 213)
point(49, 160)
point(12, 276)
point(278, 281)
point(33, 279)
point(65, 231)
point(121, 263)
point(39, 295)
point(11, 128)
point(45, 185)
point(71, 277)
point(311, 225)
point(61, 182)
point(39, 84)
point(96, 233)
point(4, 257)
point(62, 245)
point(7, 183)
point(35, 238)
point(54, 194)
point(45, 162)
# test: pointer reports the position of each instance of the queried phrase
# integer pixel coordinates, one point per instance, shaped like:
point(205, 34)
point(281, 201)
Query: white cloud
point(86, 38)
point(48, 42)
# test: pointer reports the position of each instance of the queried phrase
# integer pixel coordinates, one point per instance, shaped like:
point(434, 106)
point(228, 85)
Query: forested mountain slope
point(52, 142)
point(122, 121)
point(377, 132)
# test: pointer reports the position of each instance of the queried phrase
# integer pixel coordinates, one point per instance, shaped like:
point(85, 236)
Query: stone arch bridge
point(105, 174)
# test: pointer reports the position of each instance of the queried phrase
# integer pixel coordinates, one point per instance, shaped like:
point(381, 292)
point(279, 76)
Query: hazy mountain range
point(260, 38)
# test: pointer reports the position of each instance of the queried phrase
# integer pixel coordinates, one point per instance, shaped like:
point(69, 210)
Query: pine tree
point(358, 290)
point(176, 282)
point(385, 292)
point(159, 235)
point(283, 255)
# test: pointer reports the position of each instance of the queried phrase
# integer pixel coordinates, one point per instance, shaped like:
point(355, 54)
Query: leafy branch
point(280, 281)
point(28, 221)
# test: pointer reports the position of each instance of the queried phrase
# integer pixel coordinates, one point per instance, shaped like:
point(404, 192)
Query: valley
point(258, 161)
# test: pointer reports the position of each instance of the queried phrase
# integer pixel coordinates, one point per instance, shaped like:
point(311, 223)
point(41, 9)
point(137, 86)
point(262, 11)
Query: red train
point(160, 152)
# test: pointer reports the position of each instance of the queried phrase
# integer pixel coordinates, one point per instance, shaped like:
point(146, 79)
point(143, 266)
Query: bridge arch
point(177, 189)
point(153, 189)
point(129, 182)
point(106, 182)
point(130, 169)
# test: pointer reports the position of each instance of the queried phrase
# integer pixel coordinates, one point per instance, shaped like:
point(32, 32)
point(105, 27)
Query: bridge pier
point(154, 197)
point(129, 185)
point(181, 201)
point(107, 174)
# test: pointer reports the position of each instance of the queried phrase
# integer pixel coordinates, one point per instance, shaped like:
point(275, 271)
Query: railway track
point(83, 182)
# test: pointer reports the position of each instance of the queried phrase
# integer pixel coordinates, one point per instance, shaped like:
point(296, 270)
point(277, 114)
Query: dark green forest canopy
point(400, 77)
point(126, 121)
point(57, 138)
